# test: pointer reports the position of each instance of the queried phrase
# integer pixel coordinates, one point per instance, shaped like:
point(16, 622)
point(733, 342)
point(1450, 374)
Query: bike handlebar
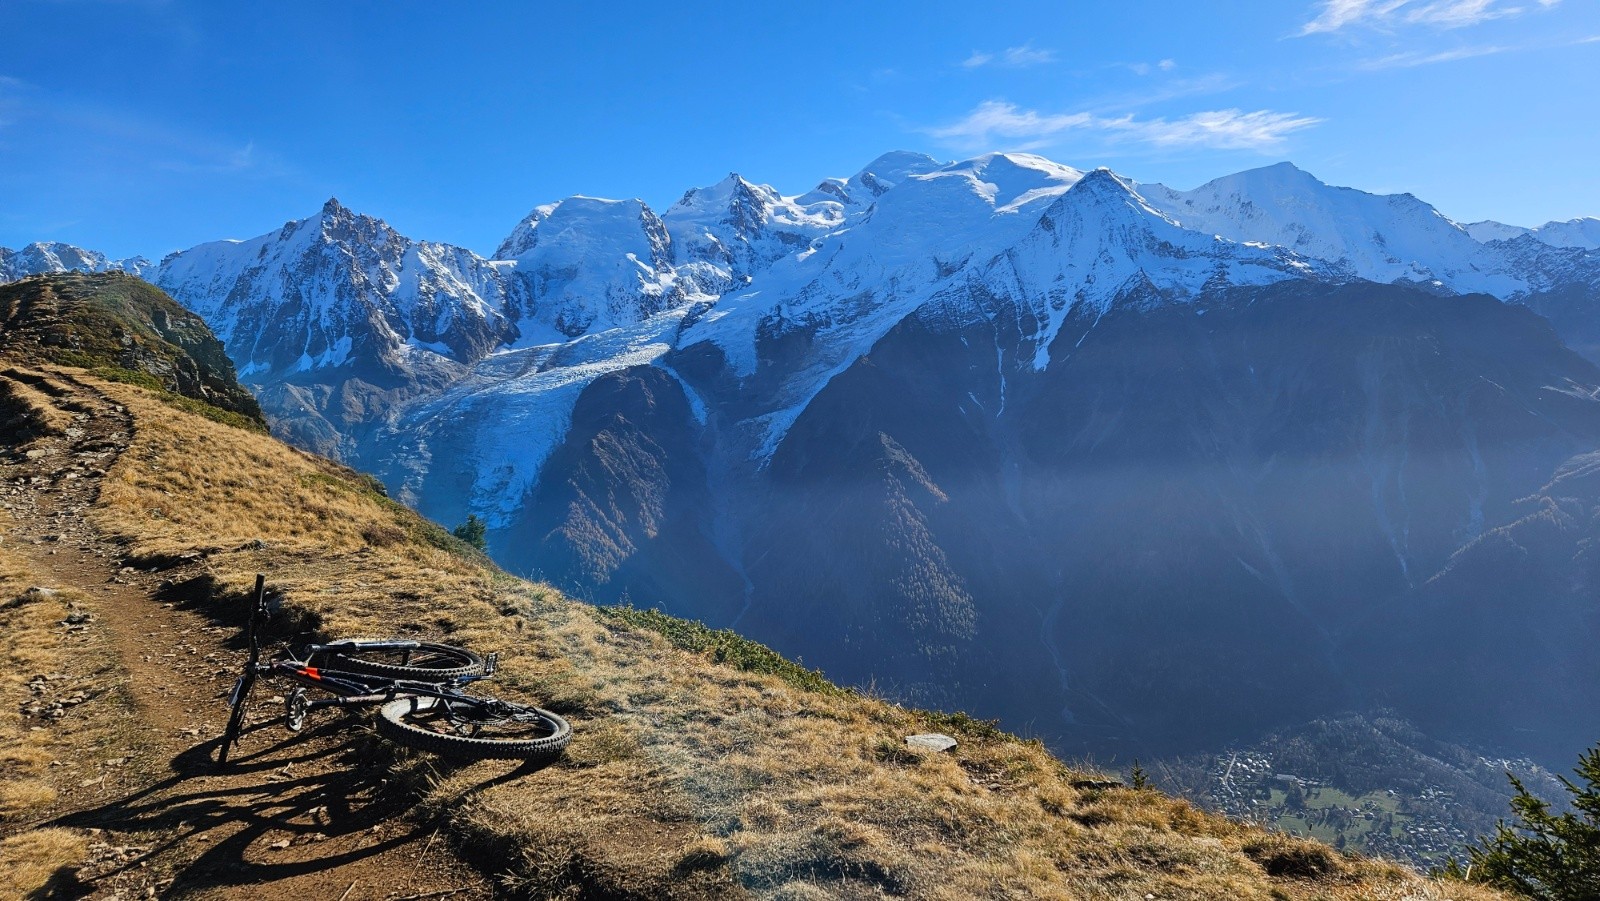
point(352, 644)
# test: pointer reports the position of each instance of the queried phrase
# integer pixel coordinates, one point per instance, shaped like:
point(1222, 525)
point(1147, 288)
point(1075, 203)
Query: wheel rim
point(480, 722)
point(295, 710)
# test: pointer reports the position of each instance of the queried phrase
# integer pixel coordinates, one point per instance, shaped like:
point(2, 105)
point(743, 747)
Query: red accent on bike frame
point(311, 672)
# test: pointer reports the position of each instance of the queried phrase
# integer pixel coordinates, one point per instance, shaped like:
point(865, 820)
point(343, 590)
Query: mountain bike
point(417, 687)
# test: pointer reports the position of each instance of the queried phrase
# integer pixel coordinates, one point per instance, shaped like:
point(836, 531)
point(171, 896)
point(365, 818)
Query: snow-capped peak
point(1581, 233)
point(857, 192)
point(1102, 242)
point(726, 233)
point(1382, 238)
point(590, 264)
point(44, 257)
point(892, 168)
point(338, 288)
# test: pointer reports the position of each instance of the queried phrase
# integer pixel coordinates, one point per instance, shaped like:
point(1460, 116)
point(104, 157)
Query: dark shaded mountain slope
point(627, 512)
point(1500, 647)
point(1195, 524)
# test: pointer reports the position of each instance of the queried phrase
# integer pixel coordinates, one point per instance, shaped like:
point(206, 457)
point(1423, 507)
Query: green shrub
point(1541, 854)
point(723, 646)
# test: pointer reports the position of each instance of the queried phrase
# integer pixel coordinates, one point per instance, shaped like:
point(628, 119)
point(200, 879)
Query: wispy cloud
point(1336, 15)
point(1229, 129)
point(1412, 58)
point(997, 122)
point(11, 91)
point(132, 139)
point(993, 119)
point(1166, 65)
point(1011, 58)
point(1417, 58)
point(220, 160)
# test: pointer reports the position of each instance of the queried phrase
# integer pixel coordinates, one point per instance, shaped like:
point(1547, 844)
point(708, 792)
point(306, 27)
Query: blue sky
point(146, 127)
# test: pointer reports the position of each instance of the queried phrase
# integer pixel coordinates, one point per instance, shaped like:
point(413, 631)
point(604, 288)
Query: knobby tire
point(230, 736)
point(428, 662)
point(417, 722)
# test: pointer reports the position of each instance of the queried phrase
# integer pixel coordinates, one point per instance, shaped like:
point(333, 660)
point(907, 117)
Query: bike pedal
point(491, 663)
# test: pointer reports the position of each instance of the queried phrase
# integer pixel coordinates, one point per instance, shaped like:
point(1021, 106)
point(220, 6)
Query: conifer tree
point(472, 532)
point(1543, 855)
point(1138, 777)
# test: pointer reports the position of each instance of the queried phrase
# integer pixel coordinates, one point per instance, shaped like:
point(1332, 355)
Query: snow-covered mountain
point(750, 269)
point(1381, 238)
point(857, 193)
point(786, 291)
point(589, 265)
point(733, 230)
point(337, 318)
point(431, 338)
point(1582, 233)
point(41, 257)
point(326, 291)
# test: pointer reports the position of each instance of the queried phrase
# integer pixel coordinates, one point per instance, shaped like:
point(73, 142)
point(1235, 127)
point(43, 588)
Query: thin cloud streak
point(132, 139)
point(1412, 59)
point(1337, 15)
point(997, 121)
point(997, 118)
point(1229, 129)
point(1012, 58)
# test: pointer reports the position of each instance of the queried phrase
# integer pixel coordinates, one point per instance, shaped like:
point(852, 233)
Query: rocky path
point(304, 817)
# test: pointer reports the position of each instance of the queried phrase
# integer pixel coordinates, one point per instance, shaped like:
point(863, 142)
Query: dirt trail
point(303, 817)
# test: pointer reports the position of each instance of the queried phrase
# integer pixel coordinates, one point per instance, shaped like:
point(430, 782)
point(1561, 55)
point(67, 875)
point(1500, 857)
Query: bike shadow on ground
point(308, 803)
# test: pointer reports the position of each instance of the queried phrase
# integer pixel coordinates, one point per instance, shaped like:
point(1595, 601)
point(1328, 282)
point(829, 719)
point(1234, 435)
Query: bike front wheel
point(474, 728)
point(240, 699)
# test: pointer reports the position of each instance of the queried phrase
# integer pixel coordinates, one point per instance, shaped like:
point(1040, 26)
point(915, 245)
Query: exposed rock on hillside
point(117, 320)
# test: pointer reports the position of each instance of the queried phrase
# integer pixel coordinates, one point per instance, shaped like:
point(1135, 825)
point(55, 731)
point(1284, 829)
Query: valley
point(1144, 473)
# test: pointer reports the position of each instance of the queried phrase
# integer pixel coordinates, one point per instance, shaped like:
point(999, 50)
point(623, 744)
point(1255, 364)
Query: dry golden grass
point(30, 644)
point(687, 778)
point(47, 417)
point(31, 860)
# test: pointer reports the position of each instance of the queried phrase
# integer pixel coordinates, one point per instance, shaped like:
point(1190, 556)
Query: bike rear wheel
point(426, 662)
point(474, 728)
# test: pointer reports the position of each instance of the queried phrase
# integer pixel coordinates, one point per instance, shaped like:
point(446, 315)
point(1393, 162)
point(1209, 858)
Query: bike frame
point(360, 689)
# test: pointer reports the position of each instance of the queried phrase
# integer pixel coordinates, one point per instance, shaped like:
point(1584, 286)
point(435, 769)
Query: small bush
point(961, 724)
point(1280, 855)
point(895, 753)
point(380, 534)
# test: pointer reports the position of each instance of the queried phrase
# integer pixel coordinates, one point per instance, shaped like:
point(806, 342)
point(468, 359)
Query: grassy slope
point(687, 777)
